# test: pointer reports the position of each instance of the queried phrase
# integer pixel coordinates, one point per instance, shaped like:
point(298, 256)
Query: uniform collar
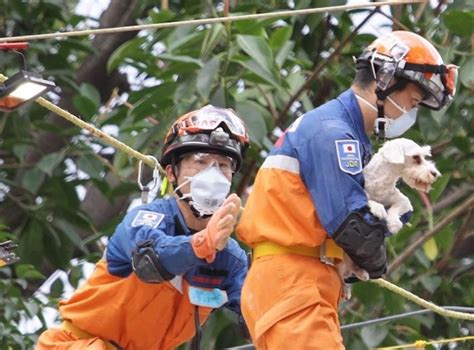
point(349, 101)
point(351, 105)
point(180, 223)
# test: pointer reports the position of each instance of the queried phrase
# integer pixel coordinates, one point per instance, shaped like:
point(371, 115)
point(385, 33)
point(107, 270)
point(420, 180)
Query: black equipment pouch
point(146, 263)
point(364, 243)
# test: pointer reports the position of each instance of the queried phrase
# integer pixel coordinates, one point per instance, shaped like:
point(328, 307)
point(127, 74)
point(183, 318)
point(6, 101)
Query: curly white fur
point(397, 159)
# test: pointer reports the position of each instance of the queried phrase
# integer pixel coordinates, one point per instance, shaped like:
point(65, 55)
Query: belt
point(68, 326)
point(328, 252)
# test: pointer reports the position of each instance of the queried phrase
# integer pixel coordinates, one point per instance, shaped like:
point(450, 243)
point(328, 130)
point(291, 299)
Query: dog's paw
point(377, 209)
point(346, 293)
point(394, 224)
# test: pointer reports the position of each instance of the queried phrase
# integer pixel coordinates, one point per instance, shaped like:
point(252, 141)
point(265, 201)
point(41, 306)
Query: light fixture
point(22, 87)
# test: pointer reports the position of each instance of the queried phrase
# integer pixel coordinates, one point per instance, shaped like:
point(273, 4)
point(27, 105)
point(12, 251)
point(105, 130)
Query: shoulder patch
point(147, 218)
point(348, 156)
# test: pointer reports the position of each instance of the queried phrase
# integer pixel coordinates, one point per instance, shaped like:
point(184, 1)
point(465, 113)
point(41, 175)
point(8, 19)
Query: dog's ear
point(422, 151)
point(426, 151)
point(393, 152)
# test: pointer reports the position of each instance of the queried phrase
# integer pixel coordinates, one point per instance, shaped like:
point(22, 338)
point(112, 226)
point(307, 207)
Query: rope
point(94, 131)
point(422, 302)
point(423, 343)
point(207, 20)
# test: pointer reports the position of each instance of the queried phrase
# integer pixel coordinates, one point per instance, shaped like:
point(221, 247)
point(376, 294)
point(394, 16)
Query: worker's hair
point(363, 78)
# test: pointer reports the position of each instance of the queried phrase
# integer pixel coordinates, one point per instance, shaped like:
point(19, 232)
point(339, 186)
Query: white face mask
point(208, 190)
point(393, 127)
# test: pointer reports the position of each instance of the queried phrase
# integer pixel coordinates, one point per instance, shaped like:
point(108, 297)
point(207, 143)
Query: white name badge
point(213, 298)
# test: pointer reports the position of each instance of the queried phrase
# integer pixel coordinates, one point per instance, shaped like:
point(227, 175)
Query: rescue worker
point(308, 205)
point(171, 262)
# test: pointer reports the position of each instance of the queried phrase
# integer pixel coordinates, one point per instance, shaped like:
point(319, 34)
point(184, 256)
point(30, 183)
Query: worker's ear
point(169, 174)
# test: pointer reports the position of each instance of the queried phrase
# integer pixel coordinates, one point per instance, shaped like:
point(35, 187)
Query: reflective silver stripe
point(282, 162)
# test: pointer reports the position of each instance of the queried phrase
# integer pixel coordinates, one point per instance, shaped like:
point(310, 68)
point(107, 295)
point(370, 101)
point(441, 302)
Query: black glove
point(364, 243)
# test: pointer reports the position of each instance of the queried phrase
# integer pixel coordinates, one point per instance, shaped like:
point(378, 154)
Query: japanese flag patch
point(348, 156)
point(147, 218)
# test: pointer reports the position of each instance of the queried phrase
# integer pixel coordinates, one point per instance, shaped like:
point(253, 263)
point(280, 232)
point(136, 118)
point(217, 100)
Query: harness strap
point(328, 252)
point(81, 334)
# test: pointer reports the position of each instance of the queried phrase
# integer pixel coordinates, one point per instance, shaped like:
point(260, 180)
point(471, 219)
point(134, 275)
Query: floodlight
point(21, 88)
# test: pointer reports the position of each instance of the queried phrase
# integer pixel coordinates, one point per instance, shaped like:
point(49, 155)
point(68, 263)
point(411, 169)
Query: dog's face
point(416, 171)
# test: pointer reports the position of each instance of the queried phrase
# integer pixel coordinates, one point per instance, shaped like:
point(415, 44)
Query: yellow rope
point(422, 302)
point(208, 20)
point(93, 130)
point(421, 344)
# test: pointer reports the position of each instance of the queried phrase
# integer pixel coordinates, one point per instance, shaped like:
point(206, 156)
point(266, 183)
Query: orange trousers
point(61, 339)
point(290, 302)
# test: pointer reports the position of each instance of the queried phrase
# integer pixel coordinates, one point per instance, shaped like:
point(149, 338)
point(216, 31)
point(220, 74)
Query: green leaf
point(258, 49)
point(213, 37)
point(439, 186)
point(283, 53)
point(206, 77)
point(430, 248)
point(70, 232)
point(466, 74)
point(373, 335)
point(28, 272)
point(90, 165)
point(91, 93)
point(253, 115)
point(127, 49)
point(460, 22)
point(32, 180)
point(263, 76)
point(431, 283)
point(49, 162)
point(178, 58)
point(280, 37)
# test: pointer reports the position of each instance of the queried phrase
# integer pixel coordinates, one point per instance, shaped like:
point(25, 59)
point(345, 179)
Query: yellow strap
point(81, 334)
point(269, 248)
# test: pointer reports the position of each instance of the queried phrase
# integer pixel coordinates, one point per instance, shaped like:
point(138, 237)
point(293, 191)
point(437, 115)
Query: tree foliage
point(256, 67)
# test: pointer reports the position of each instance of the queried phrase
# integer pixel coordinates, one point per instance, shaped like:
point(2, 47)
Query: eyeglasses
point(200, 161)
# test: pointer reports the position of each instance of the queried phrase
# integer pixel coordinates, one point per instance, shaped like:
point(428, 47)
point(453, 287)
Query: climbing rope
point(208, 20)
point(421, 344)
point(422, 302)
point(148, 160)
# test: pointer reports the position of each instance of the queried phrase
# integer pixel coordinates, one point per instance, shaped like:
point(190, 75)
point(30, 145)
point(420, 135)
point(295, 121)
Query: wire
point(207, 20)
point(402, 315)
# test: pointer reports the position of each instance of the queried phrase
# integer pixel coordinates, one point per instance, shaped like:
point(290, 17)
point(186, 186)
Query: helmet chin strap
point(381, 120)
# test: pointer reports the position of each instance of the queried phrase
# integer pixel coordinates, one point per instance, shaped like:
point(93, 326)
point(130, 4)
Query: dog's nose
point(435, 174)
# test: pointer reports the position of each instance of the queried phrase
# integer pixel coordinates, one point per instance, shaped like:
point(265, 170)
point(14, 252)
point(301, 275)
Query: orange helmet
point(209, 129)
point(407, 55)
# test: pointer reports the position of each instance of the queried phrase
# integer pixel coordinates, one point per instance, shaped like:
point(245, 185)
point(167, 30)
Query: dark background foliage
point(270, 71)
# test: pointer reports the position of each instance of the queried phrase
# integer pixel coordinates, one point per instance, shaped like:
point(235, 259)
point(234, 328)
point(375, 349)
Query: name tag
point(213, 298)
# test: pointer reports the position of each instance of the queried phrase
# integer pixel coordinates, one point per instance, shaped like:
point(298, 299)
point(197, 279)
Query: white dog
point(396, 159)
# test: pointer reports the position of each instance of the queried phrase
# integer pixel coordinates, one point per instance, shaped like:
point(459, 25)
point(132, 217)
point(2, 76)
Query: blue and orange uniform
point(309, 183)
point(116, 309)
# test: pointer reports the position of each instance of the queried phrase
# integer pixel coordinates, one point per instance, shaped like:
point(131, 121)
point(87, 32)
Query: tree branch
point(468, 205)
point(319, 68)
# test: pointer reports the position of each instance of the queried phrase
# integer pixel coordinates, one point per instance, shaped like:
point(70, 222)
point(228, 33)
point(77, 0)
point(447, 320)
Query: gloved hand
point(215, 236)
